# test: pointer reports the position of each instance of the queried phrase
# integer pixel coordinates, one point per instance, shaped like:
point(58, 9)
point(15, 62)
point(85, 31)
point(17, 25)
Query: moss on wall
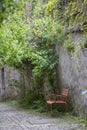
point(70, 12)
point(76, 14)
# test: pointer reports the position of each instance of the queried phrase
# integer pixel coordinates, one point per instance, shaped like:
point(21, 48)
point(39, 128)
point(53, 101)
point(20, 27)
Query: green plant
point(8, 7)
point(33, 100)
point(83, 120)
point(40, 105)
point(69, 45)
point(85, 45)
point(29, 98)
point(46, 33)
point(13, 41)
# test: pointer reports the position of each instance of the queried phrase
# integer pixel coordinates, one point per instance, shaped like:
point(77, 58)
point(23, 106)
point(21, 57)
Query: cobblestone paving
point(15, 119)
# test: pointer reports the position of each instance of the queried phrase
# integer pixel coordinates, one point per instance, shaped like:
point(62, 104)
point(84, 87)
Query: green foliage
point(83, 119)
point(32, 100)
point(50, 6)
point(8, 7)
point(40, 105)
point(46, 33)
point(12, 33)
point(75, 13)
point(33, 40)
point(13, 40)
point(12, 103)
point(13, 83)
point(30, 97)
point(74, 48)
point(54, 8)
point(38, 9)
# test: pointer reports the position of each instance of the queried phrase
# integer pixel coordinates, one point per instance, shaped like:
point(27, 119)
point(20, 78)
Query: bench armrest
point(61, 97)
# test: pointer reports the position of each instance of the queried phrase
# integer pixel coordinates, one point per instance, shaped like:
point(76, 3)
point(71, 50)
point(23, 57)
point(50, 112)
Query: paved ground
point(15, 119)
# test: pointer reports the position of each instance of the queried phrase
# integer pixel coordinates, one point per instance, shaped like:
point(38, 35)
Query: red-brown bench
point(58, 98)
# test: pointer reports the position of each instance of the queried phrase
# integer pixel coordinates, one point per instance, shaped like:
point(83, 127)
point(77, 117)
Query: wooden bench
point(58, 98)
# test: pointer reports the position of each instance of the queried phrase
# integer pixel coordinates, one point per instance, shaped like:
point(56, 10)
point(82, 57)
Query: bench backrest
point(62, 96)
point(64, 92)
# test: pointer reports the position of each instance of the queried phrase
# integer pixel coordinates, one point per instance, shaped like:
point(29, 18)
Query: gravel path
point(12, 118)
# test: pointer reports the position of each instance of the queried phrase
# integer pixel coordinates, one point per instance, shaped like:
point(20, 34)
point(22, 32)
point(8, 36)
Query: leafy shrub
point(30, 97)
point(39, 105)
point(33, 101)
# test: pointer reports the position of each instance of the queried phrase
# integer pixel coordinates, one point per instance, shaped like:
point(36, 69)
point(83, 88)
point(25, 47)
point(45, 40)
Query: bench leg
point(46, 107)
point(66, 107)
point(51, 108)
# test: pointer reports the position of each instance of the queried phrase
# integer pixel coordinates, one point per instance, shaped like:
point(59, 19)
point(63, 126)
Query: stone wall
point(73, 74)
point(16, 83)
point(11, 80)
